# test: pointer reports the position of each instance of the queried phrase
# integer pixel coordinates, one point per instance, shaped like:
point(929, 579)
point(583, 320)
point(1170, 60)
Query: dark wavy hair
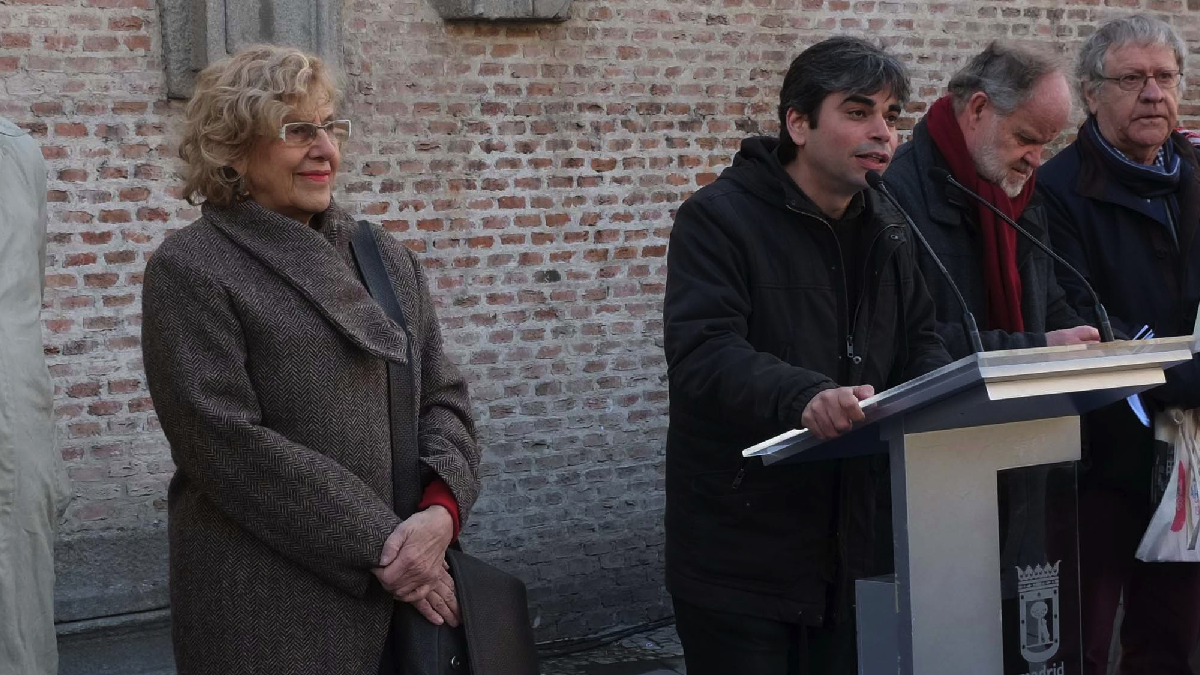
point(839, 64)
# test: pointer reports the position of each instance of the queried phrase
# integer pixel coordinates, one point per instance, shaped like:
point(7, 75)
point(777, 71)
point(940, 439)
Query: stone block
point(503, 10)
point(199, 32)
point(110, 572)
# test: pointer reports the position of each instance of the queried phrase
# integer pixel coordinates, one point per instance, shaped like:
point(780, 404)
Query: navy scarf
point(1159, 180)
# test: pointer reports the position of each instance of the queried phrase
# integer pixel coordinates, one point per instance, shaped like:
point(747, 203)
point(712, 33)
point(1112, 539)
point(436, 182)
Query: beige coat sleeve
point(33, 488)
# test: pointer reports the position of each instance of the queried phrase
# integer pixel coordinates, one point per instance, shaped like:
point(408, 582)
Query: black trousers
point(723, 643)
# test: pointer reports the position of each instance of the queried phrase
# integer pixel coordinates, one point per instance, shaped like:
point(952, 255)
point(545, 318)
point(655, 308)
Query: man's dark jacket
point(948, 219)
point(1143, 278)
point(756, 324)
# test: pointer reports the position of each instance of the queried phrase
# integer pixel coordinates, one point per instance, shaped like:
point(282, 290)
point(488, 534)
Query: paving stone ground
point(654, 652)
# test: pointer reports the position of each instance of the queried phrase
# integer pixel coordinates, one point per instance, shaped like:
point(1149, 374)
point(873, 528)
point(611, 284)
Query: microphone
point(968, 319)
point(941, 175)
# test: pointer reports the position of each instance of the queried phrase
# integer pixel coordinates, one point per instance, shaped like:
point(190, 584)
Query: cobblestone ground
point(655, 652)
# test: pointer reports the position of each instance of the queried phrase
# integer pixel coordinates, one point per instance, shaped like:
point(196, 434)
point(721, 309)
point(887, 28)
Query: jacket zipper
point(852, 359)
point(741, 474)
point(841, 261)
point(862, 292)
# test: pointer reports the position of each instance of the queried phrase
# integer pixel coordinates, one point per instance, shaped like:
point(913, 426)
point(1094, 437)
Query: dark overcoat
point(1143, 275)
point(265, 357)
point(949, 220)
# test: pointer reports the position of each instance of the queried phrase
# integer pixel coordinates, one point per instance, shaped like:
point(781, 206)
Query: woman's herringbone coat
point(266, 361)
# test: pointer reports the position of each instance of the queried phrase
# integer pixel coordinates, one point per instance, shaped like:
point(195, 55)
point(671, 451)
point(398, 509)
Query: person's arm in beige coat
point(300, 502)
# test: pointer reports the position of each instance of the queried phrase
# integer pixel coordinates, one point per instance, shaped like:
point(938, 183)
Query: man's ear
point(797, 126)
point(974, 109)
point(1091, 97)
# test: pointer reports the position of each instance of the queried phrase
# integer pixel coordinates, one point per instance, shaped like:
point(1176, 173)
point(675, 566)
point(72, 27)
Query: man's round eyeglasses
point(1165, 79)
point(305, 133)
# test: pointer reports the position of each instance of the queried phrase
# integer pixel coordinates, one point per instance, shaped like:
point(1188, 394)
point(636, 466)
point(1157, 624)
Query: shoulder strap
point(406, 481)
point(365, 247)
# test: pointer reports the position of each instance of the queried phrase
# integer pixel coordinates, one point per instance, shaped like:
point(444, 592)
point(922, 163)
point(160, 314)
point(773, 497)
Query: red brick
point(84, 390)
point(125, 23)
point(70, 129)
point(100, 43)
point(15, 41)
point(100, 280)
point(115, 216)
point(96, 238)
point(118, 300)
point(123, 386)
point(104, 408)
point(134, 194)
point(77, 259)
point(137, 42)
point(120, 257)
point(120, 4)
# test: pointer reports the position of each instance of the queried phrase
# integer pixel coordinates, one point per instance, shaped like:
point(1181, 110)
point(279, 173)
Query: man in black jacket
point(989, 131)
point(1124, 203)
point(792, 294)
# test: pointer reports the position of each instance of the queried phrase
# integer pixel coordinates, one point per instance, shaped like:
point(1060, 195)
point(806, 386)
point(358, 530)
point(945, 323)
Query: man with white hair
point(32, 486)
point(989, 132)
point(1124, 203)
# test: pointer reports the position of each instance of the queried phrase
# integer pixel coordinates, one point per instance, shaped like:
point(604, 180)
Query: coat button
point(455, 662)
point(895, 237)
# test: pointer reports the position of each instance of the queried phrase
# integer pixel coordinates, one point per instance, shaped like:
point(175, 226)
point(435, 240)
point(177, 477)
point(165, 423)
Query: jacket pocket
point(770, 532)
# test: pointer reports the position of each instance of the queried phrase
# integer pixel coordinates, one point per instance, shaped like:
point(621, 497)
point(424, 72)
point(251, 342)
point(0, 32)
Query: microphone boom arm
point(968, 319)
point(1106, 331)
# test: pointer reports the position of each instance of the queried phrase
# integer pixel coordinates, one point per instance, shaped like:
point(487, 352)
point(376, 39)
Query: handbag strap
point(406, 485)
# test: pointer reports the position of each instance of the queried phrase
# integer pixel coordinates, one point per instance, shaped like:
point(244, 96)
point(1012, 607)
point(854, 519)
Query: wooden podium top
point(1015, 384)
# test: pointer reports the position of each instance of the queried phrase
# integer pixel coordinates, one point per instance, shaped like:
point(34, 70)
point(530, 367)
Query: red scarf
point(1000, 275)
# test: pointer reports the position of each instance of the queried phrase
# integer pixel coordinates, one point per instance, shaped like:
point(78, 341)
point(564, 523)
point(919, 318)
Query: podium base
point(878, 625)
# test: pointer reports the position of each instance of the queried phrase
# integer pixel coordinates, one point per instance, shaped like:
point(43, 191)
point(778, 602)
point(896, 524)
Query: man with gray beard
point(989, 132)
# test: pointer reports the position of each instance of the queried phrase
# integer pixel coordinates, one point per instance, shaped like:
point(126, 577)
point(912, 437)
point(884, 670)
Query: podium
point(959, 438)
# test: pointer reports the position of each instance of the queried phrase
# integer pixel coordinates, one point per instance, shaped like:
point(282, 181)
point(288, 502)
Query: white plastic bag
point(1175, 527)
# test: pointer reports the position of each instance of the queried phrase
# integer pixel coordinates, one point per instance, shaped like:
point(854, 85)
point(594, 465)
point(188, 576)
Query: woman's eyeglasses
point(305, 133)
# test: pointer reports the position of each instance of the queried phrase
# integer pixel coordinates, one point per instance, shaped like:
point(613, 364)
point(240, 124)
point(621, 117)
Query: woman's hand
point(440, 605)
point(412, 566)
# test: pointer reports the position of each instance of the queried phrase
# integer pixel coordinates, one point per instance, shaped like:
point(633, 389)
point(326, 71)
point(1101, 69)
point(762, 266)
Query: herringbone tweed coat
point(265, 360)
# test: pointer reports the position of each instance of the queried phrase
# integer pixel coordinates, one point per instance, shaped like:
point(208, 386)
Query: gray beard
point(993, 169)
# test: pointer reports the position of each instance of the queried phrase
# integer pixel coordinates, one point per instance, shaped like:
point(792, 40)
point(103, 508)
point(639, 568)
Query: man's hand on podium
point(1072, 336)
point(833, 412)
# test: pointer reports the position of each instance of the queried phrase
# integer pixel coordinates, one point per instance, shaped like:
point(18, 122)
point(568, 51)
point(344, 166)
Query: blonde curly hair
point(237, 102)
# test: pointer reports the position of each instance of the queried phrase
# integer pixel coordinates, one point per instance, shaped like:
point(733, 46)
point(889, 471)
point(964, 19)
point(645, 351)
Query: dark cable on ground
point(556, 648)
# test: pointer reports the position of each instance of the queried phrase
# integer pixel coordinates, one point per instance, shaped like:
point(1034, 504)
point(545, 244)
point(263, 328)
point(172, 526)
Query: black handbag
point(495, 636)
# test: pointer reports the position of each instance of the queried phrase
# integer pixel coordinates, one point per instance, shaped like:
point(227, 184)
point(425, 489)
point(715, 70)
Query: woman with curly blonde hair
point(267, 361)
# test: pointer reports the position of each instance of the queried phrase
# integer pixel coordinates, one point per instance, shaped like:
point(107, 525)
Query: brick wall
point(537, 168)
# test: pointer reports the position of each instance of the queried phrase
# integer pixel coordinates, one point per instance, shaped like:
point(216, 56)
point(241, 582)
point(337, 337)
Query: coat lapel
point(311, 265)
